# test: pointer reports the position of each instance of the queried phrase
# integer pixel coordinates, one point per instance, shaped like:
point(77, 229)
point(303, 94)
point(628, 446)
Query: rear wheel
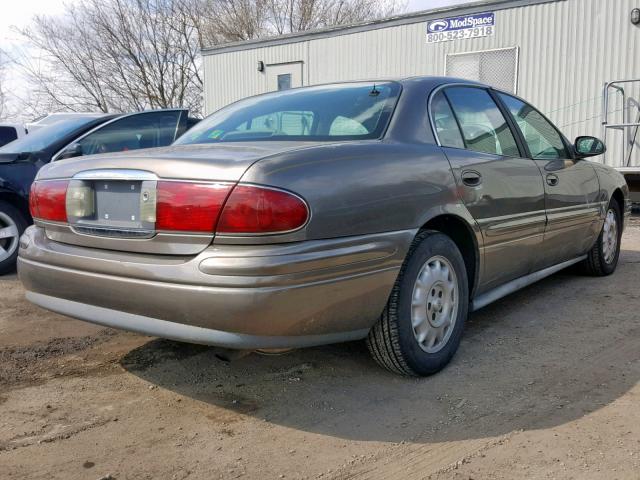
point(12, 225)
point(602, 259)
point(421, 326)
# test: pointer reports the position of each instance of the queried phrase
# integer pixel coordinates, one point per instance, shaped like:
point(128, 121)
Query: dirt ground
point(545, 385)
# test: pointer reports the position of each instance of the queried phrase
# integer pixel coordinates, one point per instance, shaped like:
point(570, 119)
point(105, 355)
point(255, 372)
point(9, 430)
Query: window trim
point(56, 156)
point(565, 141)
point(508, 119)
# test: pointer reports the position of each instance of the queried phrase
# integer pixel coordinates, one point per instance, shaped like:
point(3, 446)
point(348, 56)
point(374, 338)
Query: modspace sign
point(461, 28)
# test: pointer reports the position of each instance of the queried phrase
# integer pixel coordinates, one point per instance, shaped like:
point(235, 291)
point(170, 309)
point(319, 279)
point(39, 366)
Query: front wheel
point(421, 326)
point(602, 259)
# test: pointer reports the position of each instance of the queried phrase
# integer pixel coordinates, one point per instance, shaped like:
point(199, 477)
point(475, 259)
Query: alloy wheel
point(610, 237)
point(9, 236)
point(434, 304)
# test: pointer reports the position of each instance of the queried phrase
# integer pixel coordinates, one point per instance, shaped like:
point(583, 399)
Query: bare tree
point(116, 55)
point(125, 55)
point(234, 20)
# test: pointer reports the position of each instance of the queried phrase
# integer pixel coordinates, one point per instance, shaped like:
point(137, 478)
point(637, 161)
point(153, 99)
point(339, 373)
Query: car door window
point(7, 134)
point(484, 128)
point(143, 130)
point(445, 123)
point(542, 138)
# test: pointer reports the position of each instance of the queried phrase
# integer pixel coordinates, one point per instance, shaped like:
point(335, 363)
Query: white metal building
point(558, 54)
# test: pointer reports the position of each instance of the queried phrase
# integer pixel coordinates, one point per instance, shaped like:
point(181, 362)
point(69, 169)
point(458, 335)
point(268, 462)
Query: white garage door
point(498, 68)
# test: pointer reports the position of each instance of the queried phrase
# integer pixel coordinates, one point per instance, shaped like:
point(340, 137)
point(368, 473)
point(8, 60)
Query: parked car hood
point(221, 161)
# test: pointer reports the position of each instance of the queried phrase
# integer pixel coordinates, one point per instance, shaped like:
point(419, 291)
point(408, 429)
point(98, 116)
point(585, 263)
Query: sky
point(18, 14)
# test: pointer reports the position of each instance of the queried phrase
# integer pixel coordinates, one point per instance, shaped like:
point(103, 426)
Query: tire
point(12, 224)
point(441, 298)
point(602, 259)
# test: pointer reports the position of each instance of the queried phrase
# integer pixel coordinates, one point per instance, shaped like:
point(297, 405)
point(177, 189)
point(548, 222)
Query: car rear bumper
point(269, 296)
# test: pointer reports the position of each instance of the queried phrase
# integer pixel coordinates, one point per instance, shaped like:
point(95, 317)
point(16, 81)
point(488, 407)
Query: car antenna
point(374, 91)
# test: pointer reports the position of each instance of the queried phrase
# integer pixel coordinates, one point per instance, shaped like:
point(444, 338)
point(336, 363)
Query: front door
point(283, 76)
point(500, 188)
point(157, 128)
point(571, 186)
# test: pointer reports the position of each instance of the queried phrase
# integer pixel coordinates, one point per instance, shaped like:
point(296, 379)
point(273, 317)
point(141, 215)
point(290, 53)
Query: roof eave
point(409, 18)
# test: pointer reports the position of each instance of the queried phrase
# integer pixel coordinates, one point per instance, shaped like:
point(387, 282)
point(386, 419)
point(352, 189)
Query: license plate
point(118, 203)
point(112, 203)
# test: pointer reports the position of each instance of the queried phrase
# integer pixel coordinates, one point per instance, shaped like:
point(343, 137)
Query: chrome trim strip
point(112, 232)
point(183, 333)
point(514, 285)
point(115, 174)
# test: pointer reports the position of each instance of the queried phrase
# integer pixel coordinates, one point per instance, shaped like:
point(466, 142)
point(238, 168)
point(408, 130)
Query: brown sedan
point(382, 210)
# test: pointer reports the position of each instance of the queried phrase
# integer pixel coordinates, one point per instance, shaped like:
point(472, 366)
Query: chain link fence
point(498, 68)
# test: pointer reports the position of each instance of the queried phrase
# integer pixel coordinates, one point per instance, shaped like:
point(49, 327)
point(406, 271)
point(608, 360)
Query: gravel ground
point(545, 385)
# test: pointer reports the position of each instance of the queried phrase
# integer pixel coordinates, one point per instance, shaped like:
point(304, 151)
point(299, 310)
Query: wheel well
point(462, 235)
point(18, 202)
point(619, 197)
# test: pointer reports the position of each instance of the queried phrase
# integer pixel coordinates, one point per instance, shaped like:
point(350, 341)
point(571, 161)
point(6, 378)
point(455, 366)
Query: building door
point(283, 76)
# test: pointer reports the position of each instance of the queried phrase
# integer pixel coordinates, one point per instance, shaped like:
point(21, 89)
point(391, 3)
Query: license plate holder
point(119, 204)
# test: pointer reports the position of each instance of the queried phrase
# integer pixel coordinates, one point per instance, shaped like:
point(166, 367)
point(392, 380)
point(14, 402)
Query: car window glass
point(543, 139)
point(484, 128)
point(7, 134)
point(44, 137)
point(445, 123)
point(347, 126)
point(350, 111)
point(144, 130)
point(278, 123)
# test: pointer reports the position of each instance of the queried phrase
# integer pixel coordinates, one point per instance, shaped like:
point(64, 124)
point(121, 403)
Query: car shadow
point(549, 354)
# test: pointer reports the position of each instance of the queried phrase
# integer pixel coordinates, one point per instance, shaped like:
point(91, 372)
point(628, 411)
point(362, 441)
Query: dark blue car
point(82, 134)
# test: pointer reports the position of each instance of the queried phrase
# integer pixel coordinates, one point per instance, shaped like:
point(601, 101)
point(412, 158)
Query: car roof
point(60, 115)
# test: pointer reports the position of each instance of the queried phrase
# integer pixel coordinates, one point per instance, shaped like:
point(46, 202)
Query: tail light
point(225, 209)
point(183, 206)
point(47, 200)
point(189, 207)
point(251, 209)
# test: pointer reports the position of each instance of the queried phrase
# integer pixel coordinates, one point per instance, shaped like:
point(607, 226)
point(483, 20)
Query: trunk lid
point(111, 199)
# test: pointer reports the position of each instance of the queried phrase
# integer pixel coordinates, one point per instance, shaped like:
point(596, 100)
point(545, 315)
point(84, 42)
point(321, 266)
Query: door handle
point(471, 178)
point(552, 180)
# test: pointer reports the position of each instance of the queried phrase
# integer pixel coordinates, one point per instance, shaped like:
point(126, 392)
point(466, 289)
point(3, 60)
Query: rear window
point(351, 111)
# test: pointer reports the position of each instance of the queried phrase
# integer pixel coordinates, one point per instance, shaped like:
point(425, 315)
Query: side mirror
point(73, 150)
point(589, 147)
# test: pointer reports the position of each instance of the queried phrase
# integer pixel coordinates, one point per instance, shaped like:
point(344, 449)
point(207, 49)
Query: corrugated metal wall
point(567, 50)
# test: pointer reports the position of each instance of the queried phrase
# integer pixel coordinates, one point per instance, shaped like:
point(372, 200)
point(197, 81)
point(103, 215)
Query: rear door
point(571, 186)
point(502, 189)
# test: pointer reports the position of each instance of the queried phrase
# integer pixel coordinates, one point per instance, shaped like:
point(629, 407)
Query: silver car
point(382, 210)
